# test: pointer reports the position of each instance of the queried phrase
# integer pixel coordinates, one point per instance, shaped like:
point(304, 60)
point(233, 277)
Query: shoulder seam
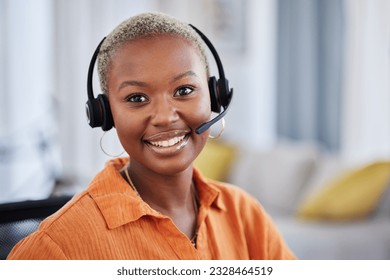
point(50, 223)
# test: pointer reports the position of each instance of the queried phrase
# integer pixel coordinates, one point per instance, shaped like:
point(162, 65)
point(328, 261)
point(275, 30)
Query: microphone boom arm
point(203, 127)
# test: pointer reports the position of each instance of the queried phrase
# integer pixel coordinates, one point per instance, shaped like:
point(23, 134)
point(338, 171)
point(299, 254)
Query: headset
point(99, 112)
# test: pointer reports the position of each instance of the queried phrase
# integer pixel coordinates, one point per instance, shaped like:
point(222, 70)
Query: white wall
point(366, 99)
point(26, 93)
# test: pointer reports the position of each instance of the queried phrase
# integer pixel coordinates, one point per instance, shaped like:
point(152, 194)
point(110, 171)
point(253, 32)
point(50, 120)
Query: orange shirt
point(110, 221)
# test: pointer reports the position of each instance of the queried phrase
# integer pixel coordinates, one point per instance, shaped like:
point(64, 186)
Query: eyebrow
point(183, 75)
point(143, 84)
point(132, 83)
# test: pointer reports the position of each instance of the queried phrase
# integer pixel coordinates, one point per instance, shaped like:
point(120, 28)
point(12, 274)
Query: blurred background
point(311, 97)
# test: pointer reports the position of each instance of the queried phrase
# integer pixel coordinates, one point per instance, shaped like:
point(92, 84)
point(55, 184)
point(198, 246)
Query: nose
point(165, 113)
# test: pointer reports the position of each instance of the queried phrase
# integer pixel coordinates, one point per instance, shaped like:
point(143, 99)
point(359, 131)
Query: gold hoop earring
point(104, 151)
point(220, 132)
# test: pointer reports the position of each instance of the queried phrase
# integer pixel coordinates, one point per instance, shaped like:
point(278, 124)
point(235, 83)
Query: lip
point(163, 136)
point(169, 142)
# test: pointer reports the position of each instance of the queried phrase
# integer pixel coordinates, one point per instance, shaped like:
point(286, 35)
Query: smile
point(168, 142)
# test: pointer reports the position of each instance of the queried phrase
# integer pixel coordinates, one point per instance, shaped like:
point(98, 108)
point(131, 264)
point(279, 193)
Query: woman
point(155, 205)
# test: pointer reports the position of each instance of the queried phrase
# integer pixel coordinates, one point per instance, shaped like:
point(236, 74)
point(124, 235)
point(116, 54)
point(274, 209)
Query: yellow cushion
point(353, 195)
point(216, 159)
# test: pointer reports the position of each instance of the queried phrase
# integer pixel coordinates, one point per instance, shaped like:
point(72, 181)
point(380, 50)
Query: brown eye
point(137, 98)
point(183, 91)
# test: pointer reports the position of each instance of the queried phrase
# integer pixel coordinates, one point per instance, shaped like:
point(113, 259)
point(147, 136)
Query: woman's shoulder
point(84, 204)
point(63, 225)
point(235, 200)
point(79, 209)
point(227, 192)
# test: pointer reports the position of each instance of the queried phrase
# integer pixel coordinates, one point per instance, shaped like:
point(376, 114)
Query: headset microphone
point(204, 126)
point(99, 112)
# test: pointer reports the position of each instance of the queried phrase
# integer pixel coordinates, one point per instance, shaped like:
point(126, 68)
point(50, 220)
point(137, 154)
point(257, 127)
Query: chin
point(173, 169)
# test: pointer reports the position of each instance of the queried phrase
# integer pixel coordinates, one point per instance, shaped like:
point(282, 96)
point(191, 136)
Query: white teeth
point(168, 143)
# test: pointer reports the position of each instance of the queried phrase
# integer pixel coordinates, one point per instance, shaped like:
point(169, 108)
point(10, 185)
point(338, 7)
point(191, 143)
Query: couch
point(324, 207)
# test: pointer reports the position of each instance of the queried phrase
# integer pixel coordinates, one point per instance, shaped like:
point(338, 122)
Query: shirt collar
point(119, 204)
point(209, 195)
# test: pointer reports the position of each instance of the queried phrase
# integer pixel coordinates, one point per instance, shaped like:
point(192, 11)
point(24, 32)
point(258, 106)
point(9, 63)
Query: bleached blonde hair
point(144, 26)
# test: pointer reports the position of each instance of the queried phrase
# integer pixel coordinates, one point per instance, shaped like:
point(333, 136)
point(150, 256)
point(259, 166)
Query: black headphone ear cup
point(224, 92)
point(94, 113)
point(108, 121)
point(215, 104)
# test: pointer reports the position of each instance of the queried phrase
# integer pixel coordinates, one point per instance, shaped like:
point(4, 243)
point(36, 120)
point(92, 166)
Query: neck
point(164, 193)
point(173, 195)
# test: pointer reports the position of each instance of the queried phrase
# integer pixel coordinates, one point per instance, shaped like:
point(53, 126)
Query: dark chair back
point(19, 219)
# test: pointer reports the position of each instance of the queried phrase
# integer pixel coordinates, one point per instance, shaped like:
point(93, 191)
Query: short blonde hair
point(142, 26)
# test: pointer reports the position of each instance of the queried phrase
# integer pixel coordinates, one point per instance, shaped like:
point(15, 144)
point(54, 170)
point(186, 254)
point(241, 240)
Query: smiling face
point(159, 95)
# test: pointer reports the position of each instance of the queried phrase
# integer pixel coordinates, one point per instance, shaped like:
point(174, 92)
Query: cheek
point(127, 125)
point(200, 113)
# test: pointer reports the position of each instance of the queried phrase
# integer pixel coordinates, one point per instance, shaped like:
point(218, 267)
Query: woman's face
point(158, 93)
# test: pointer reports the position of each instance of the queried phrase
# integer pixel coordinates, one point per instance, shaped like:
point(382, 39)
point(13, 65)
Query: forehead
point(162, 41)
point(149, 53)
